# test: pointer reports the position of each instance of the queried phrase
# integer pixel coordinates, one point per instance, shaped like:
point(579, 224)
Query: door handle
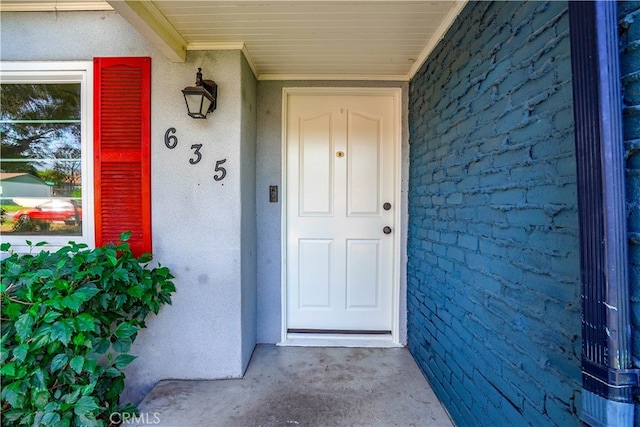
point(386, 230)
point(386, 206)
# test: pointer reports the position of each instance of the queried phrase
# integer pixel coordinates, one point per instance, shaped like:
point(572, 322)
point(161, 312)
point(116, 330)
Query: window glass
point(41, 159)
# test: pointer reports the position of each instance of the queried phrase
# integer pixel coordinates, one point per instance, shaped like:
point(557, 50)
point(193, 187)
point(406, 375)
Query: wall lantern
point(201, 98)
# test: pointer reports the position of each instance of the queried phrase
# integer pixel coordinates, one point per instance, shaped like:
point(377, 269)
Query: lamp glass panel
point(193, 103)
point(206, 102)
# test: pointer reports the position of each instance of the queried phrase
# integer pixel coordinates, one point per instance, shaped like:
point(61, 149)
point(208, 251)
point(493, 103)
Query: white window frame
point(62, 72)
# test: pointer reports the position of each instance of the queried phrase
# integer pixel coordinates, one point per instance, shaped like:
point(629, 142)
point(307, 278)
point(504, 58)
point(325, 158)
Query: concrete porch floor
point(304, 386)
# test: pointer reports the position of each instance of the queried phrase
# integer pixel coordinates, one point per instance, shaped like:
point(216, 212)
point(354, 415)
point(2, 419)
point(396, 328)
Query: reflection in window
point(40, 159)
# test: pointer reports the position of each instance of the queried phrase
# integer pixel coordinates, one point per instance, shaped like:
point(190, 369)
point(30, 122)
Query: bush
point(68, 321)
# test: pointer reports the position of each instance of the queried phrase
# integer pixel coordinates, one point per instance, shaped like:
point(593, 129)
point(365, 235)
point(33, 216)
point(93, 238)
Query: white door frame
point(328, 340)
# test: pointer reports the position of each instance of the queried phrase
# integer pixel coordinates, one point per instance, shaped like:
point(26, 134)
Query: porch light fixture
point(201, 98)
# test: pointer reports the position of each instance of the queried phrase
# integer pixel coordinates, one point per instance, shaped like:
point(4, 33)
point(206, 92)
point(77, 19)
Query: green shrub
point(68, 321)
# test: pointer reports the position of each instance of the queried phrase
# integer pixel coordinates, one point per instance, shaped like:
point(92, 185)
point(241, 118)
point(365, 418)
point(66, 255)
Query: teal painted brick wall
point(629, 20)
point(493, 247)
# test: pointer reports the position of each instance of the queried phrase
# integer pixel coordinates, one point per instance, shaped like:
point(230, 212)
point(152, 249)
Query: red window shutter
point(122, 150)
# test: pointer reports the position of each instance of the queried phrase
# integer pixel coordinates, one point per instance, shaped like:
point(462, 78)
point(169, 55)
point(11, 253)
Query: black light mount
point(201, 98)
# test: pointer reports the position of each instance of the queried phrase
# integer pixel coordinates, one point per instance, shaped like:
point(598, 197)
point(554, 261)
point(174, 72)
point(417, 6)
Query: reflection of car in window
point(53, 210)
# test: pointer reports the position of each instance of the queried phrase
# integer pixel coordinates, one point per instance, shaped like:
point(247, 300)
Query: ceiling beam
point(52, 6)
point(145, 17)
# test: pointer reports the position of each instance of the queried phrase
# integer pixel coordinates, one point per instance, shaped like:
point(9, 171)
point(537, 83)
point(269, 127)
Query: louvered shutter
point(122, 148)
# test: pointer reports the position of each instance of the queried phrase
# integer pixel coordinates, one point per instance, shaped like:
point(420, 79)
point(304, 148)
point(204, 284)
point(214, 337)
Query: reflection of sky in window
point(56, 102)
point(39, 123)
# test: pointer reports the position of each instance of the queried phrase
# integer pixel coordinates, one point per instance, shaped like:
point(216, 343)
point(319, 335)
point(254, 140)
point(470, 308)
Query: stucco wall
point(197, 222)
point(493, 251)
point(248, 200)
point(629, 18)
point(269, 172)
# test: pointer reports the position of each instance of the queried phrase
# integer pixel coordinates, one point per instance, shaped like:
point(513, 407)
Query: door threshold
point(297, 339)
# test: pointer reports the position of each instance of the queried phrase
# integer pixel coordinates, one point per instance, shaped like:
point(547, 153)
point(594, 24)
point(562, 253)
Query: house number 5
point(220, 171)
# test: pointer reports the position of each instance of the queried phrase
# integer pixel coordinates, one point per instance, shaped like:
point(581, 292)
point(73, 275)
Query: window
point(46, 157)
point(76, 152)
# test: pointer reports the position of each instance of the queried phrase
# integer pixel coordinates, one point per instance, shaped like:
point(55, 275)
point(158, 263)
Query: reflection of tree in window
point(40, 134)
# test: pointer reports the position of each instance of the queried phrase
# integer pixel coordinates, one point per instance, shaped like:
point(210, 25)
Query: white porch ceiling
point(289, 39)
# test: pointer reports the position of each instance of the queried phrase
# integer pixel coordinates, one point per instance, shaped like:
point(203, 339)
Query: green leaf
point(145, 258)
point(121, 275)
point(41, 399)
point(88, 389)
point(112, 259)
point(120, 300)
point(125, 236)
point(123, 360)
point(72, 397)
point(77, 363)
point(90, 366)
point(12, 393)
point(73, 301)
point(85, 405)
point(8, 369)
point(42, 336)
point(23, 326)
point(88, 291)
point(136, 291)
point(112, 372)
point(51, 418)
point(122, 346)
point(13, 268)
point(12, 310)
point(125, 330)
point(11, 416)
point(4, 247)
point(51, 316)
point(85, 322)
point(102, 346)
point(38, 378)
point(44, 273)
point(20, 352)
point(59, 360)
point(61, 330)
point(52, 406)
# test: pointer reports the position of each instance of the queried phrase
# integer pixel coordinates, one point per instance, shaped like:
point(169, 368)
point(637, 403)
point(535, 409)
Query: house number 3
point(171, 142)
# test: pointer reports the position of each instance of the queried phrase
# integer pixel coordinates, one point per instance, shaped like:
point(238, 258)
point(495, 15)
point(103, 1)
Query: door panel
point(340, 152)
point(363, 260)
point(316, 166)
point(364, 138)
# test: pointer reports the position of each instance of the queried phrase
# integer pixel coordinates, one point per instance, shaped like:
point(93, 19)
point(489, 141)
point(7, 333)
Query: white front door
point(341, 151)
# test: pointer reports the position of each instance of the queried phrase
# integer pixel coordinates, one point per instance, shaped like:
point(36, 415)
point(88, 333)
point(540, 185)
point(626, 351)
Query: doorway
point(341, 177)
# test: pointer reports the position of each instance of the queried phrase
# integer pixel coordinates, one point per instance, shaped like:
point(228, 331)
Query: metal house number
point(171, 142)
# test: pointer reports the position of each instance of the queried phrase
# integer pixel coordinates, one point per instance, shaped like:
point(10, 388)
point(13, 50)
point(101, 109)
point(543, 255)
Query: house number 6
point(170, 140)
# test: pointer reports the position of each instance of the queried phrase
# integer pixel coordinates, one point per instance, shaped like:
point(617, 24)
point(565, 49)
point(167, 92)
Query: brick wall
point(629, 19)
point(493, 247)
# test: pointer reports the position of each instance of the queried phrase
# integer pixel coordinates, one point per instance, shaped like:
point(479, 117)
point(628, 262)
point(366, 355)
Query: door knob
point(386, 230)
point(386, 206)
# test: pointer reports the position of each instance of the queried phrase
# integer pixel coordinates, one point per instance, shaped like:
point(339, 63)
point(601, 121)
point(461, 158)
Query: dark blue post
point(608, 379)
